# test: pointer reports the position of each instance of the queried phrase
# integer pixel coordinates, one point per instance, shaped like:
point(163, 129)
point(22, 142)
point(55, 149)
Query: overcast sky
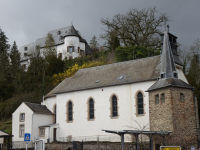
point(26, 20)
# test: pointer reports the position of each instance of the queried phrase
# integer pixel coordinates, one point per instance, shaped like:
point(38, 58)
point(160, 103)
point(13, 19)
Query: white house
point(69, 44)
point(111, 97)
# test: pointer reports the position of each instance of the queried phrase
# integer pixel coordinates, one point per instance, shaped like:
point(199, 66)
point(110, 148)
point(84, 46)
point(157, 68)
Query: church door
point(54, 134)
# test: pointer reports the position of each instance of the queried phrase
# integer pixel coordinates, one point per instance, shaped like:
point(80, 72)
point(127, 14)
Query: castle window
point(70, 49)
point(157, 99)
point(60, 55)
point(91, 109)
point(140, 105)
point(114, 106)
point(182, 97)
point(70, 111)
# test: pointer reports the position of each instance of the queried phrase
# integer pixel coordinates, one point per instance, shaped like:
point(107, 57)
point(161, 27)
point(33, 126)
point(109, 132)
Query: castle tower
point(171, 103)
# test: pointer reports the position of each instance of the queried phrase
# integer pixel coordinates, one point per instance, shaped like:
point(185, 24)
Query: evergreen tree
point(94, 44)
point(50, 49)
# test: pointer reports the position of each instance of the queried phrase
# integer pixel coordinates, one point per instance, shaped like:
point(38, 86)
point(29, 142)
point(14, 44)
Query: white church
point(69, 44)
point(111, 97)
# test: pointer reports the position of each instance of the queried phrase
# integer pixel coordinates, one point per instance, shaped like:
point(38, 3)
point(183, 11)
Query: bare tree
point(136, 27)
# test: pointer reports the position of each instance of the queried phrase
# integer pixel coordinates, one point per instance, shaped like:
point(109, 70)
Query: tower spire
point(168, 69)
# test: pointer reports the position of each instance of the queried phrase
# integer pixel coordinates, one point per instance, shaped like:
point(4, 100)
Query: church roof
point(112, 74)
point(39, 109)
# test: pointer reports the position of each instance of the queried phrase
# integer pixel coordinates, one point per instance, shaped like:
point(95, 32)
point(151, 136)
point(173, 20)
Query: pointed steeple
point(168, 73)
point(168, 69)
point(72, 32)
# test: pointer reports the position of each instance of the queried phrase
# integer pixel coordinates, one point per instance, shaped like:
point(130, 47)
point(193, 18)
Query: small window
point(157, 99)
point(24, 66)
point(22, 117)
point(70, 111)
point(21, 130)
point(162, 98)
point(60, 55)
point(182, 97)
point(78, 49)
point(25, 54)
point(91, 109)
point(25, 48)
point(70, 49)
point(114, 106)
point(42, 132)
point(140, 105)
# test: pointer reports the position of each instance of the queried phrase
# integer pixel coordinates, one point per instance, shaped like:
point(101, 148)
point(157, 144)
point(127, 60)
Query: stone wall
point(174, 115)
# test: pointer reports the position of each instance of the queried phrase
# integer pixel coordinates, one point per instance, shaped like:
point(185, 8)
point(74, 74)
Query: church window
point(21, 130)
point(140, 104)
point(182, 97)
point(114, 106)
point(22, 117)
point(162, 98)
point(70, 111)
point(42, 132)
point(91, 109)
point(157, 99)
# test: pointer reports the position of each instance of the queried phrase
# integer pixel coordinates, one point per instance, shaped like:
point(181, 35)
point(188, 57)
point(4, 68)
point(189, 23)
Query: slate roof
point(66, 31)
point(38, 109)
point(169, 77)
point(108, 75)
point(170, 82)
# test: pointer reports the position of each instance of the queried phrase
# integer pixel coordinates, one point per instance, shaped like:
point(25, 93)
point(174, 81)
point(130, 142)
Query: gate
point(77, 146)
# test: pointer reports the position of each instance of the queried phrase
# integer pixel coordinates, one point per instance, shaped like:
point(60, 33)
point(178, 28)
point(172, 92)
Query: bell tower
point(171, 102)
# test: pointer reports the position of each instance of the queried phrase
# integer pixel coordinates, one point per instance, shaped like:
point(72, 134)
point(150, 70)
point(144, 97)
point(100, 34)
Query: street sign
point(172, 148)
point(27, 137)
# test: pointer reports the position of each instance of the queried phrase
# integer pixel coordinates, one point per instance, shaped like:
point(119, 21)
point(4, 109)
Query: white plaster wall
point(50, 102)
point(23, 108)
point(82, 46)
point(181, 75)
point(82, 127)
point(40, 120)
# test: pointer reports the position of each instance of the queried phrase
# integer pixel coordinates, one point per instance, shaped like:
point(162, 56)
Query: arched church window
point(114, 106)
point(140, 103)
point(91, 109)
point(70, 111)
point(182, 97)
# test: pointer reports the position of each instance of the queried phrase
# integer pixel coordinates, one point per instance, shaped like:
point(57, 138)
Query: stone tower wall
point(174, 115)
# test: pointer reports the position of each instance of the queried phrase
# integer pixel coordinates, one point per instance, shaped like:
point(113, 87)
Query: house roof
point(4, 132)
point(109, 75)
point(39, 109)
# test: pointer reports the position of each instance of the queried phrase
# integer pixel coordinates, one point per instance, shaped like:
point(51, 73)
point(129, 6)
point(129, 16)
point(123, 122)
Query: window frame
point(67, 112)
point(111, 107)
point(182, 100)
point(88, 109)
point(136, 103)
point(20, 117)
point(21, 136)
point(157, 101)
point(161, 98)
